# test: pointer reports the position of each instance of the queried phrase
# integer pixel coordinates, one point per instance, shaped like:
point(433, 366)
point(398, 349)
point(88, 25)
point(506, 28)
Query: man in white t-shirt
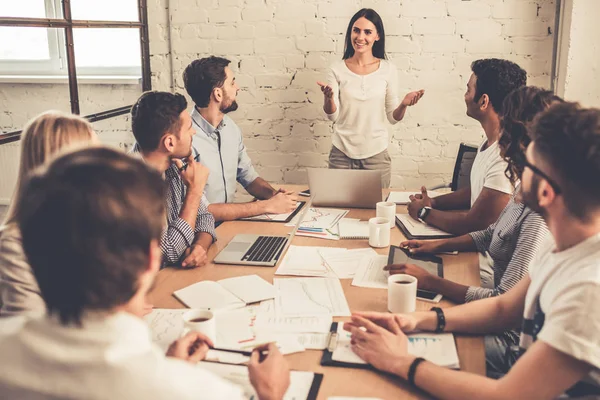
point(556, 305)
point(91, 226)
point(492, 79)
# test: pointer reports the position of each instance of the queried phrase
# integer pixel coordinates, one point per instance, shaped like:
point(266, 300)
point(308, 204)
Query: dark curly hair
point(202, 76)
point(520, 108)
point(567, 139)
point(378, 46)
point(497, 78)
point(153, 115)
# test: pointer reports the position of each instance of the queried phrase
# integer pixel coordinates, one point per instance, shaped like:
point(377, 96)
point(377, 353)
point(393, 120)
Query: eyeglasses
point(536, 170)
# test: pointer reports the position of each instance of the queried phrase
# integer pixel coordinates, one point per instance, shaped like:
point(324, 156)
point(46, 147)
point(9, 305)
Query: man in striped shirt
point(163, 131)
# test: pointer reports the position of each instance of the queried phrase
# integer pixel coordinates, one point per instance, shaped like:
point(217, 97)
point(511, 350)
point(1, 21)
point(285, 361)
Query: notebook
point(438, 348)
point(414, 229)
point(353, 229)
point(403, 197)
point(226, 294)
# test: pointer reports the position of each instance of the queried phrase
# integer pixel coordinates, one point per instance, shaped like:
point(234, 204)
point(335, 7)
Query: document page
point(418, 228)
point(345, 264)
point(166, 325)
point(371, 274)
point(306, 261)
point(249, 288)
point(300, 381)
point(320, 218)
point(307, 297)
point(273, 217)
point(316, 324)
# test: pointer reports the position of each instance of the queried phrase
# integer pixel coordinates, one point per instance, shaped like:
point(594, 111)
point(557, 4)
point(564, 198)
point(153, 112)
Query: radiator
point(9, 166)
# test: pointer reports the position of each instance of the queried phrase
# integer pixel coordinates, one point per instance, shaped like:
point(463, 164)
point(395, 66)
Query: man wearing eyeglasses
point(556, 305)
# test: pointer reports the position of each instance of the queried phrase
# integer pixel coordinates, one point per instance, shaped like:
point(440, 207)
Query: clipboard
point(410, 236)
point(327, 358)
point(265, 218)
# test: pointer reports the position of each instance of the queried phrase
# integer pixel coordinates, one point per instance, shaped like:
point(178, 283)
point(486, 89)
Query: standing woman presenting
point(361, 91)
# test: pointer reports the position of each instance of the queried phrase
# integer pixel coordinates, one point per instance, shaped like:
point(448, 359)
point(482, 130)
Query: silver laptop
point(258, 250)
point(354, 188)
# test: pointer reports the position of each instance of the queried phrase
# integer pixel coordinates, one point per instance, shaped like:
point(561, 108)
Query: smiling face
point(364, 35)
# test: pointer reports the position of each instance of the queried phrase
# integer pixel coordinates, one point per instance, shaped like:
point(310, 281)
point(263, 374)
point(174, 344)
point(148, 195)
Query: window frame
point(68, 24)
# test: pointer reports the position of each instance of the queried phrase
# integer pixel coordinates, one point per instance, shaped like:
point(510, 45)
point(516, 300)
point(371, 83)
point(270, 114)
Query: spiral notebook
point(353, 229)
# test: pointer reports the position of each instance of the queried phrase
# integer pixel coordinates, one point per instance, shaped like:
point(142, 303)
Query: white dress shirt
point(363, 102)
point(110, 357)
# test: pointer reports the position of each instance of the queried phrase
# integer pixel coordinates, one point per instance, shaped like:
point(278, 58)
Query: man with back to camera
point(491, 80)
point(91, 225)
point(211, 85)
point(163, 131)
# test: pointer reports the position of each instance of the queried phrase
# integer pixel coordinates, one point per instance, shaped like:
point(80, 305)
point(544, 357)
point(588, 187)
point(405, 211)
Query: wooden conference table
point(462, 268)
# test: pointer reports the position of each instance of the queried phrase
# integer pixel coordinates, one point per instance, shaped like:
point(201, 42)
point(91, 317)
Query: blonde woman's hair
point(42, 139)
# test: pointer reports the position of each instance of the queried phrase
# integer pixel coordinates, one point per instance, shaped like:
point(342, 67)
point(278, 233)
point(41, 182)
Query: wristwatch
point(423, 213)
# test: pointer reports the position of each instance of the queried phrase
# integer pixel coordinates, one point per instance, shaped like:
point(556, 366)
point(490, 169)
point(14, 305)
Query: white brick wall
point(284, 46)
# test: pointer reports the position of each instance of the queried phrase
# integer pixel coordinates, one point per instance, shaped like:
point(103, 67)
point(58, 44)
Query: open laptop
point(354, 188)
point(258, 250)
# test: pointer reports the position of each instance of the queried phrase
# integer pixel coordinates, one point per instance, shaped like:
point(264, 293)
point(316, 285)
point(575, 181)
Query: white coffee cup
point(202, 321)
point(387, 210)
point(379, 232)
point(402, 293)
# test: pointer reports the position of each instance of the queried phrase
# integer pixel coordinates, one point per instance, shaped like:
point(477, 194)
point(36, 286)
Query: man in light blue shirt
point(219, 145)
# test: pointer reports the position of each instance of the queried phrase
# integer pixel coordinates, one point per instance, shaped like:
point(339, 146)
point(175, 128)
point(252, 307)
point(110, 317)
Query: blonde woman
point(42, 138)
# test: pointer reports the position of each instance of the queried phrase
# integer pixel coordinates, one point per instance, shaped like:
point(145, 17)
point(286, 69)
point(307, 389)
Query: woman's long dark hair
point(378, 46)
point(519, 108)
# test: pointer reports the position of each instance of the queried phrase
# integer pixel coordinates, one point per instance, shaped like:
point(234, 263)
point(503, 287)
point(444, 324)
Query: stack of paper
point(371, 274)
point(345, 264)
point(226, 294)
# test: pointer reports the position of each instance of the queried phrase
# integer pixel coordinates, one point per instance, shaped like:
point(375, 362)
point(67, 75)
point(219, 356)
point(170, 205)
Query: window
point(27, 50)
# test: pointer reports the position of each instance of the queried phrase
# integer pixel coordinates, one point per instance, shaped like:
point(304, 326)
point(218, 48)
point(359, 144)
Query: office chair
point(462, 168)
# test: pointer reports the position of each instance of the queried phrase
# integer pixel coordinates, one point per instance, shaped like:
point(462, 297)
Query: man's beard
point(232, 107)
point(530, 198)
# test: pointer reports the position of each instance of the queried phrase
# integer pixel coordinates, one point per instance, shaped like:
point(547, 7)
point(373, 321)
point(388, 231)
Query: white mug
point(402, 293)
point(387, 210)
point(202, 321)
point(379, 232)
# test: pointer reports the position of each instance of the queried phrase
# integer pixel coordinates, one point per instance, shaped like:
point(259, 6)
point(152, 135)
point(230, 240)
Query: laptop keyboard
point(265, 248)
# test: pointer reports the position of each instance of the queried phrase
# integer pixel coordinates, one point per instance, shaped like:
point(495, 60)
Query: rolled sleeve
point(246, 174)
point(178, 236)
point(205, 222)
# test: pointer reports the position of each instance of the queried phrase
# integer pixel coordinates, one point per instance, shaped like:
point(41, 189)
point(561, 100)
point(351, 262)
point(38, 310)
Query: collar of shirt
point(205, 126)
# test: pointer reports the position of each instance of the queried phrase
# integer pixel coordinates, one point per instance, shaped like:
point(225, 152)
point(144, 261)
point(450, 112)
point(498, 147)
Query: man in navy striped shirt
point(163, 131)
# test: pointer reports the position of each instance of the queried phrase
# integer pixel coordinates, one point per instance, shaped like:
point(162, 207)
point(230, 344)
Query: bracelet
point(441, 319)
point(413, 369)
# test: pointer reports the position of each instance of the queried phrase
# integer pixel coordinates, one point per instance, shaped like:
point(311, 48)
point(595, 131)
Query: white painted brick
point(402, 44)
point(404, 164)
point(546, 9)
point(278, 160)
point(287, 96)
point(525, 28)
point(298, 12)
point(266, 112)
point(295, 176)
point(271, 174)
point(226, 32)
point(265, 30)
point(315, 43)
point(444, 63)
point(324, 145)
point(468, 9)
point(192, 45)
point(306, 79)
point(312, 160)
point(245, 30)
point(184, 16)
point(274, 46)
point(206, 31)
point(188, 31)
point(252, 65)
point(274, 63)
point(317, 27)
point(251, 97)
point(261, 13)
point(478, 27)
point(422, 62)
point(282, 129)
point(532, 47)
point(322, 130)
point(434, 167)
point(399, 27)
point(294, 61)
point(302, 130)
point(225, 14)
point(510, 9)
point(231, 3)
point(316, 60)
point(230, 47)
point(290, 28)
point(259, 144)
point(443, 44)
point(402, 62)
point(273, 80)
point(388, 10)
point(540, 80)
point(299, 146)
point(497, 45)
point(422, 8)
point(337, 26)
point(338, 8)
point(434, 26)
